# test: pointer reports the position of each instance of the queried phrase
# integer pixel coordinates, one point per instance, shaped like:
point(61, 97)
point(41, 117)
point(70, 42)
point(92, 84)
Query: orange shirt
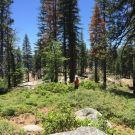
point(76, 82)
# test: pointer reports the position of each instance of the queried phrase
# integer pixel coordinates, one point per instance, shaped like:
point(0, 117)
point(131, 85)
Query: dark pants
point(76, 87)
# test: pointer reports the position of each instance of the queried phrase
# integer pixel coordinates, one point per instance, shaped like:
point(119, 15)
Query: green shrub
point(9, 111)
point(59, 88)
point(81, 83)
point(57, 121)
point(90, 85)
point(117, 77)
point(102, 86)
point(46, 77)
point(26, 94)
point(3, 85)
point(6, 127)
point(92, 78)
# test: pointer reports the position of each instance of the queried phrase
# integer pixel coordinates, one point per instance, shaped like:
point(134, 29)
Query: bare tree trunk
point(8, 61)
point(65, 53)
point(1, 49)
point(72, 75)
point(95, 69)
point(105, 70)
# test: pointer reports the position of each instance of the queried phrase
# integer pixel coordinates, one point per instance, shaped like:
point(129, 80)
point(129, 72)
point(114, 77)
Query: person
point(76, 83)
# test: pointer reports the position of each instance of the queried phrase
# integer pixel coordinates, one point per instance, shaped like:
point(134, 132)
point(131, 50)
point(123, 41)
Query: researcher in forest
point(76, 83)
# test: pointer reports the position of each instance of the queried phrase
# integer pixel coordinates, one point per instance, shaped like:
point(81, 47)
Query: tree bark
point(1, 49)
point(8, 61)
point(65, 74)
point(71, 47)
point(105, 70)
point(95, 69)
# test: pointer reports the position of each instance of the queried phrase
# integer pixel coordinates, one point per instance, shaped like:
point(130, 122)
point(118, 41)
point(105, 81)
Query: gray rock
point(82, 131)
point(31, 128)
point(90, 113)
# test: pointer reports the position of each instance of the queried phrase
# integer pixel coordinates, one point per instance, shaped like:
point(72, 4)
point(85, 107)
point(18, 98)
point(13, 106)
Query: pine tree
point(69, 9)
point(4, 22)
point(27, 57)
point(98, 41)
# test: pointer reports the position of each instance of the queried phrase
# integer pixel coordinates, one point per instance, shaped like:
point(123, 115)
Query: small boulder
point(82, 131)
point(31, 128)
point(90, 113)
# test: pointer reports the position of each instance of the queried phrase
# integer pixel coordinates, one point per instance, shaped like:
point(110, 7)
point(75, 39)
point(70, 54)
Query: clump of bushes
point(92, 78)
point(3, 85)
point(63, 120)
point(54, 88)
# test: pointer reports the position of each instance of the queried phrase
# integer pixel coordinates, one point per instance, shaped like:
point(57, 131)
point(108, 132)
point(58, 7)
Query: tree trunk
point(95, 69)
point(1, 49)
point(65, 74)
point(71, 47)
point(8, 62)
point(129, 74)
point(13, 62)
point(133, 75)
point(105, 70)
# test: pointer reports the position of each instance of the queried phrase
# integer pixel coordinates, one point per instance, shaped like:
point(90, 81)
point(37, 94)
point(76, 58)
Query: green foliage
point(117, 77)
point(3, 84)
point(53, 87)
point(54, 58)
point(46, 77)
point(26, 94)
point(90, 85)
point(92, 78)
point(6, 127)
point(81, 83)
point(66, 119)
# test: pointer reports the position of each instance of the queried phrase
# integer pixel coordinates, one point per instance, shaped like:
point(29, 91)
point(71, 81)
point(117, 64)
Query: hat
point(76, 76)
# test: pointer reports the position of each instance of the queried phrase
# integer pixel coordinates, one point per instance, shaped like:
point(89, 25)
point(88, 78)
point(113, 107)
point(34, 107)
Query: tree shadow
point(122, 93)
point(131, 88)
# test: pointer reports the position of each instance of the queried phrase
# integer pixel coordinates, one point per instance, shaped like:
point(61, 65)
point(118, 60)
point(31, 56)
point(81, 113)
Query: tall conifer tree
point(26, 54)
point(97, 39)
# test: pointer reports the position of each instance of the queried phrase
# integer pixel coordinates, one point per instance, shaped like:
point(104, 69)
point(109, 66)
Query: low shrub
point(90, 85)
point(64, 120)
point(117, 77)
point(7, 128)
point(92, 78)
point(3, 85)
point(81, 83)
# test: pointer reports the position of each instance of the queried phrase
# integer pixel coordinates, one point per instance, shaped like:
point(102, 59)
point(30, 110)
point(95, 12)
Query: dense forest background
point(61, 47)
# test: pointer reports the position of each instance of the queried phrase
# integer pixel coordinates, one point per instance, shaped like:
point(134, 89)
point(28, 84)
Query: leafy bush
point(3, 85)
point(117, 77)
point(81, 83)
point(64, 120)
point(90, 85)
point(53, 87)
point(7, 128)
point(46, 77)
point(57, 122)
point(26, 94)
point(92, 78)
point(102, 86)
point(8, 111)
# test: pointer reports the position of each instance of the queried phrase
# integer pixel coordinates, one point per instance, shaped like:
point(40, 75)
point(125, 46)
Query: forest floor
point(29, 119)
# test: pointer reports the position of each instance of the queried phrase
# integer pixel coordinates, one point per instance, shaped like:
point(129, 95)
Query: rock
point(31, 128)
point(109, 89)
point(82, 131)
point(90, 113)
